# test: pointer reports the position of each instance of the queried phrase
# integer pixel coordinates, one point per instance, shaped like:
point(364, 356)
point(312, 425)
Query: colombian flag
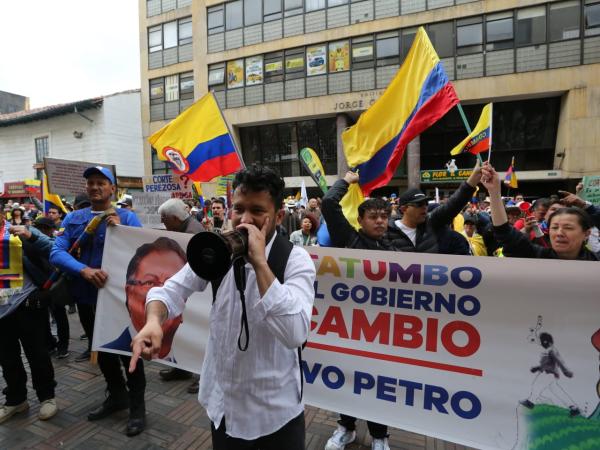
point(197, 143)
point(480, 139)
point(11, 260)
point(51, 200)
point(510, 179)
point(418, 96)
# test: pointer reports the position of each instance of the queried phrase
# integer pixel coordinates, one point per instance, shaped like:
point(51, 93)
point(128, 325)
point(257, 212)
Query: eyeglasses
point(145, 283)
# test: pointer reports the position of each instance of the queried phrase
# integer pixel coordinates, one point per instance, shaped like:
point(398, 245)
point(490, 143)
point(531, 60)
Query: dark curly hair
point(261, 178)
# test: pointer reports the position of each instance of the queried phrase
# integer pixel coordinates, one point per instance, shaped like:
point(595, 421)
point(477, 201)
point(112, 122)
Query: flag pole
point(466, 123)
point(237, 149)
point(491, 127)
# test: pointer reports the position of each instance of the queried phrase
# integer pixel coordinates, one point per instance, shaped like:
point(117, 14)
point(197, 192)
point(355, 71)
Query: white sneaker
point(48, 409)
point(341, 437)
point(6, 412)
point(380, 444)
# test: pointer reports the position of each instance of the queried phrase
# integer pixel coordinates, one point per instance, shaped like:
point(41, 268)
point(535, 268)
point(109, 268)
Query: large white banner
point(488, 352)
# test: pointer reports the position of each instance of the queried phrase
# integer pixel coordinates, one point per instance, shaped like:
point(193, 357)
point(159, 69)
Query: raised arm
point(340, 230)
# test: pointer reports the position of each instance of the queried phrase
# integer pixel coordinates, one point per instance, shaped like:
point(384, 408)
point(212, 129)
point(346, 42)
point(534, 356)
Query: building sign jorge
point(358, 101)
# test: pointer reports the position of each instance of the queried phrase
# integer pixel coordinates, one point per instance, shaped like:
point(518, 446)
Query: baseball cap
point(413, 195)
point(44, 222)
point(81, 201)
point(100, 170)
point(125, 201)
point(470, 218)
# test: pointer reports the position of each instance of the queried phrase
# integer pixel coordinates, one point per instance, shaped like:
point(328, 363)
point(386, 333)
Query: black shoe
point(194, 387)
point(72, 309)
point(83, 337)
point(85, 356)
point(137, 418)
point(111, 405)
point(174, 374)
point(62, 354)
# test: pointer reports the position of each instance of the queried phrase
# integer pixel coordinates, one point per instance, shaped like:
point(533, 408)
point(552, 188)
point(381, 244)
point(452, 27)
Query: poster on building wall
point(65, 177)
point(254, 70)
point(316, 60)
point(172, 88)
point(339, 56)
point(235, 73)
point(362, 52)
point(276, 66)
point(294, 62)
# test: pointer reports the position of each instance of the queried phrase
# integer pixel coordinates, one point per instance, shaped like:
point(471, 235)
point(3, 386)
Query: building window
point(292, 7)
point(362, 52)
point(274, 67)
point(252, 12)
point(158, 166)
point(339, 56)
point(272, 10)
point(442, 38)
point(216, 19)
point(313, 5)
point(233, 15)
point(254, 70)
point(499, 31)
point(316, 60)
point(332, 3)
point(564, 20)
point(387, 49)
point(185, 31)
point(408, 36)
point(277, 145)
point(170, 34)
point(42, 150)
point(294, 63)
point(235, 74)
point(155, 39)
point(216, 74)
point(469, 36)
point(175, 91)
point(592, 18)
point(531, 26)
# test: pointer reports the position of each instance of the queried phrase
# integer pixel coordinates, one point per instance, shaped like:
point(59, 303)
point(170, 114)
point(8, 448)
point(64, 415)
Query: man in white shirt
point(254, 397)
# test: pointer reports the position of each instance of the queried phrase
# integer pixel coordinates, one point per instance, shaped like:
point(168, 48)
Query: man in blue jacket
point(88, 277)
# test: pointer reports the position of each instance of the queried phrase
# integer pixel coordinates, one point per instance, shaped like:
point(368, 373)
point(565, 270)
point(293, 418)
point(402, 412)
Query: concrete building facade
point(103, 129)
point(10, 103)
point(290, 74)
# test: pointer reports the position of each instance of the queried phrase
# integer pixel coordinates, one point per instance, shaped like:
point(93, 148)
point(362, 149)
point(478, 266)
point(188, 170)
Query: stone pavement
point(175, 420)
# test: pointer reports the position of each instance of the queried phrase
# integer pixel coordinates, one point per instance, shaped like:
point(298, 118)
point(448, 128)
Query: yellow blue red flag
point(510, 179)
point(480, 139)
point(51, 200)
point(418, 96)
point(11, 262)
point(197, 143)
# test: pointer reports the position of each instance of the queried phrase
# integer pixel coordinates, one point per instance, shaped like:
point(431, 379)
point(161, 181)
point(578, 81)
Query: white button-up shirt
point(257, 390)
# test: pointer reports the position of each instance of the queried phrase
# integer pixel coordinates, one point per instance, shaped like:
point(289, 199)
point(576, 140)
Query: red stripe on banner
point(398, 359)
point(216, 167)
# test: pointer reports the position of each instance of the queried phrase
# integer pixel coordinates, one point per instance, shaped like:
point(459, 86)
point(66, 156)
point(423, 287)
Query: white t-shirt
point(410, 232)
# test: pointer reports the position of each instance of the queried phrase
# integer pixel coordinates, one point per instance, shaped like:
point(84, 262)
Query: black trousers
point(289, 437)
point(26, 327)
point(62, 326)
point(110, 365)
point(376, 430)
point(87, 315)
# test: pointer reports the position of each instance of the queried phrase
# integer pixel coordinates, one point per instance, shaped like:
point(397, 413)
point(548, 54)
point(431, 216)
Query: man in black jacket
point(373, 217)
point(419, 231)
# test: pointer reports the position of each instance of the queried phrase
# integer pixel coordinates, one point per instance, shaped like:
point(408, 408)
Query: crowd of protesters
point(469, 222)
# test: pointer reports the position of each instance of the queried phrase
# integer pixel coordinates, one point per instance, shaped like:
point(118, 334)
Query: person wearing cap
point(88, 277)
point(420, 231)
point(16, 214)
point(476, 242)
point(373, 215)
point(126, 202)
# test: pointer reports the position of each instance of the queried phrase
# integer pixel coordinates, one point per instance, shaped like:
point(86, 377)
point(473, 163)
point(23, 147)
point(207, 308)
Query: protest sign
point(145, 205)
point(454, 347)
point(178, 186)
point(591, 189)
point(65, 177)
point(116, 322)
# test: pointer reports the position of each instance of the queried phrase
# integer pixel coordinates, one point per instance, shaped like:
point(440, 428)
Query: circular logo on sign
point(178, 162)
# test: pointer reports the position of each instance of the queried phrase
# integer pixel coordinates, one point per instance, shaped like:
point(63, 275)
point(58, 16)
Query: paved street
point(175, 419)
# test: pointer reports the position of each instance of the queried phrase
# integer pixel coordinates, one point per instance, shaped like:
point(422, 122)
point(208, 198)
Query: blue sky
point(65, 50)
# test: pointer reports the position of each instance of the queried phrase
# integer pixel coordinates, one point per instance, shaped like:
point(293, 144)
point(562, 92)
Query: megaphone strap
point(239, 275)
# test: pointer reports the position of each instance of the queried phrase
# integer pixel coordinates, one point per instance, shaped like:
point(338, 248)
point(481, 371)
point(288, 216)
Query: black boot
point(116, 401)
point(137, 414)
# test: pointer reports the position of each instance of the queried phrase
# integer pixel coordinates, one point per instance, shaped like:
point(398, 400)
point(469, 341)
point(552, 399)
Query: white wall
point(114, 137)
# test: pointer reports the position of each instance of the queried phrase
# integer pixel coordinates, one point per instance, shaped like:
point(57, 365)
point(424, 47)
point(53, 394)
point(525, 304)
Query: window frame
point(214, 10)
